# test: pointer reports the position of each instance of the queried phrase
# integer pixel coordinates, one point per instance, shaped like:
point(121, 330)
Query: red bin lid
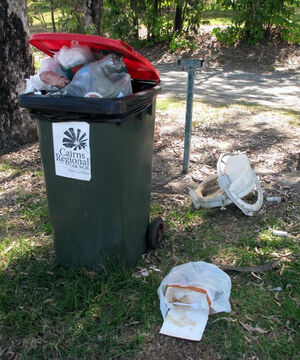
point(138, 67)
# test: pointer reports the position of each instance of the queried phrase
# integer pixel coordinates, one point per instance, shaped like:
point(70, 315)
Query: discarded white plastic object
point(280, 233)
point(271, 199)
point(188, 294)
point(236, 178)
point(209, 195)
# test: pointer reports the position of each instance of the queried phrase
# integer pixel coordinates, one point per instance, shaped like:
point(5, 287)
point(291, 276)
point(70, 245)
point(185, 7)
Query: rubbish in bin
point(188, 294)
point(53, 79)
point(50, 77)
point(234, 180)
point(93, 94)
point(105, 77)
point(70, 58)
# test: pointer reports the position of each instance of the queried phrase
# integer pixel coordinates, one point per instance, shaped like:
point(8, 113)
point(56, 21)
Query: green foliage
point(254, 20)
point(227, 36)
point(180, 42)
point(291, 33)
point(193, 14)
point(72, 19)
point(124, 18)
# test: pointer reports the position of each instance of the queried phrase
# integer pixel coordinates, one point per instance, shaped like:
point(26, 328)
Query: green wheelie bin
point(97, 161)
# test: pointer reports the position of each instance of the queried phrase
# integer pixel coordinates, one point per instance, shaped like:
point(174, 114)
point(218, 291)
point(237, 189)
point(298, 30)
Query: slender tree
point(52, 15)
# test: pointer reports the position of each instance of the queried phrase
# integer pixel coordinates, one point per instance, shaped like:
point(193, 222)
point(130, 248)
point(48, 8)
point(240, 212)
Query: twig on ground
point(255, 269)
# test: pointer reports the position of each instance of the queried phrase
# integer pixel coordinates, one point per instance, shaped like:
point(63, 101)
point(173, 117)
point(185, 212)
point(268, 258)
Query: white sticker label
point(71, 143)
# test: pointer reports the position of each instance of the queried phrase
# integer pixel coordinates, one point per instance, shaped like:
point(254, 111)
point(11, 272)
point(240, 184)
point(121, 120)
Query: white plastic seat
point(235, 179)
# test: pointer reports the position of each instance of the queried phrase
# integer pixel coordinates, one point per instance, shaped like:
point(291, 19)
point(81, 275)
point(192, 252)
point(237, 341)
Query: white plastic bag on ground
point(188, 294)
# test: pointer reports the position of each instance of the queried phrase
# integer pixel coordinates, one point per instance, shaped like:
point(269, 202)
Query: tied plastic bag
point(105, 77)
point(52, 74)
point(75, 56)
point(188, 294)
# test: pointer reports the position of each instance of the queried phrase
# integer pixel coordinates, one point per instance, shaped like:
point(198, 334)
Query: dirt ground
point(271, 144)
point(269, 55)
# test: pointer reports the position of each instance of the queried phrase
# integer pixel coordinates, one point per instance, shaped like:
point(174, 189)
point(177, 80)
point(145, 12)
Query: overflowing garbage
point(188, 294)
point(234, 180)
point(77, 71)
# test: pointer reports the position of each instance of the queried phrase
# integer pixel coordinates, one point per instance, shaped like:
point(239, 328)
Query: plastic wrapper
point(74, 56)
point(35, 83)
point(53, 79)
point(104, 77)
point(203, 275)
point(50, 64)
point(188, 294)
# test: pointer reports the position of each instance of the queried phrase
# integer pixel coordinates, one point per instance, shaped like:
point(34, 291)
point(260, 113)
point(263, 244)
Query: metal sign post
point(191, 65)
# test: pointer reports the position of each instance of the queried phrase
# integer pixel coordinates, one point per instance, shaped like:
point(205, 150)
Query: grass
point(47, 311)
point(218, 17)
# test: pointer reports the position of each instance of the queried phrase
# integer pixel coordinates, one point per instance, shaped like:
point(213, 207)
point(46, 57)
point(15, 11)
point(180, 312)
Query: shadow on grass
point(51, 312)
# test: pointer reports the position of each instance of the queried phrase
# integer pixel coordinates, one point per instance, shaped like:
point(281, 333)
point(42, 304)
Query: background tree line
point(171, 21)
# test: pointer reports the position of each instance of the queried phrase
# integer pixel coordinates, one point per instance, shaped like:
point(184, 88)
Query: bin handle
point(128, 47)
point(116, 121)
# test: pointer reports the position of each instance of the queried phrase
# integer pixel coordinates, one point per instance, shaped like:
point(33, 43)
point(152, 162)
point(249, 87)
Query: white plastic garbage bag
point(188, 294)
point(74, 56)
point(35, 83)
point(104, 77)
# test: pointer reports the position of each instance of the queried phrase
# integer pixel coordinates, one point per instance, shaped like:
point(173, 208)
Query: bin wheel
point(155, 233)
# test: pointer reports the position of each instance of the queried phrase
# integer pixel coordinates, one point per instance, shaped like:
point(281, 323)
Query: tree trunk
point(16, 126)
point(52, 15)
point(92, 10)
point(136, 27)
point(178, 21)
point(96, 12)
